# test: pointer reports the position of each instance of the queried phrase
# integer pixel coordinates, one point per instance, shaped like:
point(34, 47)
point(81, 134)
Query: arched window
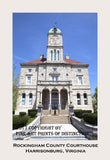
point(54, 54)
point(80, 81)
point(78, 99)
point(23, 98)
point(85, 99)
point(28, 80)
point(54, 78)
point(58, 55)
point(30, 99)
point(51, 55)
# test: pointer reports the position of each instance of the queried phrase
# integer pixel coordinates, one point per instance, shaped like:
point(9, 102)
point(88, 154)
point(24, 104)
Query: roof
point(72, 61)
point(38, 61)
point(45, 59)
point(54, 30)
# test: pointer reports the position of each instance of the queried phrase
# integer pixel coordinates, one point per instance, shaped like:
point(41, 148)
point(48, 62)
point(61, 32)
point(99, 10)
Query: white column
point(59, 100)
point(68, 98)
point(50, 101)
point(41, 97)
point(38, 97)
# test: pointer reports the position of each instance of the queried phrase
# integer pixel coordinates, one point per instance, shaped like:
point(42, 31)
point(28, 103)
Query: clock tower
point(55, 45)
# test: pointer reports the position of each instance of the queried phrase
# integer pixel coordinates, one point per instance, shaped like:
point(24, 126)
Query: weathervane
point(55, 29)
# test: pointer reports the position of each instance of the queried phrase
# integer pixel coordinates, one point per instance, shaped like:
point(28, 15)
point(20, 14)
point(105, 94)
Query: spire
point(55, 25)
point(55, 29)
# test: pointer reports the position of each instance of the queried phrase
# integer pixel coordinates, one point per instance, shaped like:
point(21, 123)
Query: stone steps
point(58, 112)
point(34, 138)
point(65, 133)
point(45, 112)
point(55, 120)
point(62, 112)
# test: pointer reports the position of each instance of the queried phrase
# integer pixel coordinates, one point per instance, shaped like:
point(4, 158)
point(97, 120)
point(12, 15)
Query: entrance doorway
point(45, 99)
point(64, 99)
point(54, 99)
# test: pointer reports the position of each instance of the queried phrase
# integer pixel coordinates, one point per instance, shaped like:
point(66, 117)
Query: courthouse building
point(55, 81)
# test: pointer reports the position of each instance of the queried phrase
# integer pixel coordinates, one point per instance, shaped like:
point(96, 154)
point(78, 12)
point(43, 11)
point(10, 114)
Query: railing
point(46, 83)
point(18, 133)
point(88, 130)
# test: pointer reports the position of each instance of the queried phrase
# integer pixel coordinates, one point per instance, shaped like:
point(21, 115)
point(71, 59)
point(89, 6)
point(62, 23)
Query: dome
point(55, 30)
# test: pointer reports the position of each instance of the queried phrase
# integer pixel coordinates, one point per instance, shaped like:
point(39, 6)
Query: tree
point(95, 100)
point(15, 87)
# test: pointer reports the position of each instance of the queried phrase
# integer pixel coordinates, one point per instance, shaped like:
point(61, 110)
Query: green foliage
point(15, 87)
point(30, 120)
point(32, 112)
point(95, 112)
point(95, 99)
point(79, 113)
point(90, 118)
point(22, 113)
point(19, 121)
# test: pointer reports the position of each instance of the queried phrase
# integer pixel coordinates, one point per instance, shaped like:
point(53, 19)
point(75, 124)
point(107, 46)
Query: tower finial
point(55, 25)
point(55, 29)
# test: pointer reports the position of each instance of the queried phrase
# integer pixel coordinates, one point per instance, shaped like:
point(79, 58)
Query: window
point(29, 70)
point(54, 78)
point(23, 99)
point(79, 70)
point(51, 55)
point(67, 74)
point(58, 55)
point(54, 54)
point(80, 80)
point(54, 69)
point(78, 99)
point(28, 80)
point(85, 99)
point(54, 95)
point(30, 99)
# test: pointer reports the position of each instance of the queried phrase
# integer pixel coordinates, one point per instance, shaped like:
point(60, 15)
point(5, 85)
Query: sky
point(79, 38)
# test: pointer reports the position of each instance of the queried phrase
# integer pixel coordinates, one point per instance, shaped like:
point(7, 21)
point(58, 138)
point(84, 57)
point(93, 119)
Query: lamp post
point(40, 108)
point(71, 109)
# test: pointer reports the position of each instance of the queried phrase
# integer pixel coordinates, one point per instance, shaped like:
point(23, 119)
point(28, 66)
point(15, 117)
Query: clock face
point(54, 40)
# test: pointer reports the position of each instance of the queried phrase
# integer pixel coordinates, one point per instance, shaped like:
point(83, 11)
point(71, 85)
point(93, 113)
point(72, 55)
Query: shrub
point(95, 112)
point(19, 121)
point(32, 112)
point(22, 113)
point(90, 118)
point(79, 113)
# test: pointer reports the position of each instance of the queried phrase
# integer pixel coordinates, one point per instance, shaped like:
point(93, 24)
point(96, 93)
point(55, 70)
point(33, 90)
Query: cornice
point(54, 46)
point(57, 63)
point(54, 34)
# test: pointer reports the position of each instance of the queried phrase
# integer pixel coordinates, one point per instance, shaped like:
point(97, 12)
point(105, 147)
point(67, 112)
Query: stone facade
point(55, 82)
